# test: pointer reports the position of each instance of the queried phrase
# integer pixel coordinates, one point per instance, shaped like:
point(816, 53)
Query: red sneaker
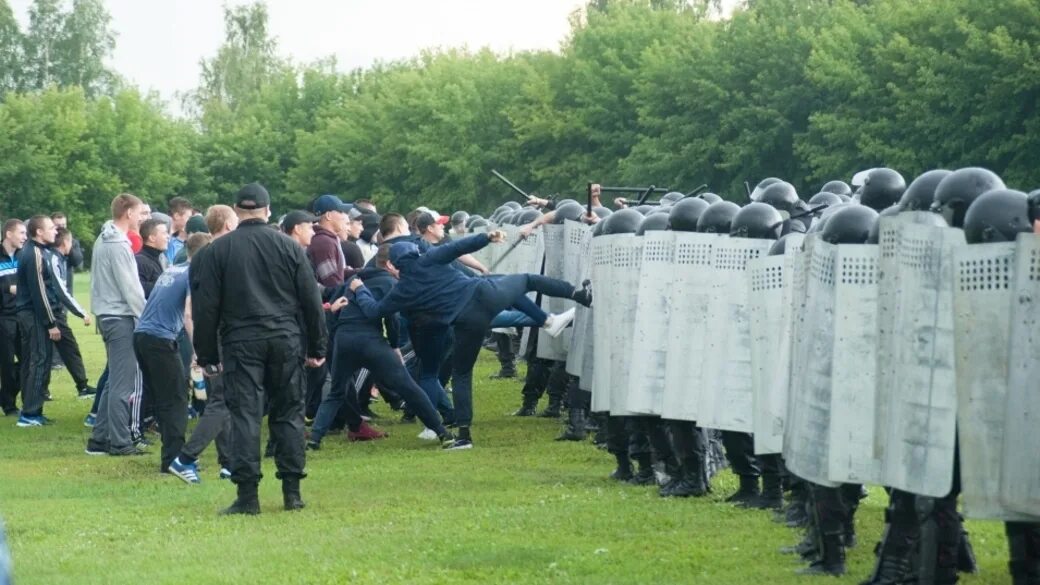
point(365, 433)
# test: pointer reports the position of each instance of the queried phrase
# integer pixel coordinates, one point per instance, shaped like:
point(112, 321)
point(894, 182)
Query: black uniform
point(10, 339)
point(252, 285)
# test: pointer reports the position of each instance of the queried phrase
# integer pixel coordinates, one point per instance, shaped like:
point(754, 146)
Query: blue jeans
point(512, 318)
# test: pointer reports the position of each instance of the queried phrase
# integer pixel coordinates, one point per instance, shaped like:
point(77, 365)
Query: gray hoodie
point(114, 286)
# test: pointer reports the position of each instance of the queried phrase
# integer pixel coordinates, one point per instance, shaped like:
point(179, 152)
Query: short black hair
point(148, 227)
point(62, 235)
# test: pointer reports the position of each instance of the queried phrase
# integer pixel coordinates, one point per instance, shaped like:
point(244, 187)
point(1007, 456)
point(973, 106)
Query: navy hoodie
point(379, 283)
point(428, 285)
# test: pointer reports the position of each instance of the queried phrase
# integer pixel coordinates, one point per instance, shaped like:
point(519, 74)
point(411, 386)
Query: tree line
point(640, 91)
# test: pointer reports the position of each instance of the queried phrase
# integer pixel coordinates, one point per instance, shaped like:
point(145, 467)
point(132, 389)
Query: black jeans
point(258, 373)
point(37, 350)
point(354, 352)
point(740, 452)
point(68, 349)
point(163, 371)
point(10, 355)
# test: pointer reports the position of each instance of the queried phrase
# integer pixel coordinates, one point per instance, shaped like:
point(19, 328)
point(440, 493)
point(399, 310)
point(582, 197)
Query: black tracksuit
point(10, 339)
point(252, 286)
point(150, 266)
point(38, 302)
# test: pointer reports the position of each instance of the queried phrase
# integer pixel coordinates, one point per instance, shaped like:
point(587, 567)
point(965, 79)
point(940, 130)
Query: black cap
point(295, 218)
point(252, 196)
point(426, 219)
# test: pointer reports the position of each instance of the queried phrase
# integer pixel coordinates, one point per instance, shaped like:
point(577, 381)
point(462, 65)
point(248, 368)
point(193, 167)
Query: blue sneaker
point(90, 421)
point(31, 421)
point(189, 472)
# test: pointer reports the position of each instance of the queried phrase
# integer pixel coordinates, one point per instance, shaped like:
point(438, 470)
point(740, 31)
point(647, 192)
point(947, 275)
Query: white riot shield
point(854, 366)
point(574, 233)
point(765, 312)
point(603, 291)
point(983, 277)
point(576, 260)
point(627, 256)
point(554, 348)
point(808, 426)
point(922, 403)
point(509, 258)
point(483, 254)
point(1020, 472)
point(649, 353)
point(687, 331)
point(725, 394)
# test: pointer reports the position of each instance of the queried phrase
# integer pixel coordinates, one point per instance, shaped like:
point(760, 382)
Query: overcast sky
point(160, 42)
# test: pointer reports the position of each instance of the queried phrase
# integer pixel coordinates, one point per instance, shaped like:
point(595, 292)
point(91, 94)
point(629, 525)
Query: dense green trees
point(641, 91)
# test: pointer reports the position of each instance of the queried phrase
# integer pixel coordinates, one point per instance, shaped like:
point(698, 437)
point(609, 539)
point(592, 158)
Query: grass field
point(519, 508)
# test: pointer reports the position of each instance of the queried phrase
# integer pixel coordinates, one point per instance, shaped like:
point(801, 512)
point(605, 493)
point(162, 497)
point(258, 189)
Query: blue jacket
point(379, 283)
point(428, 285)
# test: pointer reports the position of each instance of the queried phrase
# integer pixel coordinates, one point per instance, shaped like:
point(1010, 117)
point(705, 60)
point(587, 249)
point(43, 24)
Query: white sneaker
point(557, 323)
point(428, 435)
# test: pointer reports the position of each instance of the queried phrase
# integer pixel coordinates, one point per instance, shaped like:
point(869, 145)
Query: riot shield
point(549, 347)
point(649, 353)
point(604, 290)
point(920, 425)
point(983, 276)
point(627, 256)
point(1020, 472)
point(484, 255)
point(687, 331)
point(854, 366)
point(808, 425)
point(575, 262)
point(725, 394)
point(765, 313)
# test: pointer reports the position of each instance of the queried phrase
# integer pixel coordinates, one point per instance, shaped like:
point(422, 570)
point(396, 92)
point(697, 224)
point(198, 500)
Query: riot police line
point(886, 336)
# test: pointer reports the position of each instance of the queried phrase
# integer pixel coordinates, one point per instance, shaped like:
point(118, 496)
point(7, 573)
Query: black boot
point(527, 408)
point(808, 548)
point(247, 502)
point(852, 495)
point(291, 494)
point(832, 556)
point(1024, 552)
point(645, 474)
point(772, 496)
point(624, 468)
point(747, 492)
point(692, 480)
point(966, 554)
point(895, 552)
point(553, 409)
point(504, 372)
point(575, 428)
point(796, 514)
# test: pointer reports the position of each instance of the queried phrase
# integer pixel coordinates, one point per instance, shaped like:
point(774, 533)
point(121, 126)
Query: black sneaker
point(131, 451)
point(313, 445)
point(96, 449)
point(583, 296)
point(86, 392)
point(457, 444)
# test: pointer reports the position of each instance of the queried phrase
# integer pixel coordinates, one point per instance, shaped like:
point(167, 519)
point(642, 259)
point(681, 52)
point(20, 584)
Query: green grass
point(519, 508)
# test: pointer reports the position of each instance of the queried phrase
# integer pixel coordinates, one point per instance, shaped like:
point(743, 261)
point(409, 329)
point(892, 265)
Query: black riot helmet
point(644, 209)
point(473, 218)
point(671, 198)
point(875, 231)
point(459, 217)
point(844, 198)
point(837, 187)
point(781, 195)
point(624, 221)
point(507, 218)
point(1034, 205)
point(683, 216)
point(710, 198)
point(997, 216)
point(821, 219)
point(756, 194)
point(780, 246)
point(882, 188)
point(597, 229)
point(717, 218)
point(570, 210)
point(921, 192)
point(512, 205)
point(849, 225)
point(825, 198)
point(655, 222)
point(479, 222)
point(527, 216)
point(758, 221)
point(602, 212)
point(956, 192)
point(499, 213)
point(565, 202)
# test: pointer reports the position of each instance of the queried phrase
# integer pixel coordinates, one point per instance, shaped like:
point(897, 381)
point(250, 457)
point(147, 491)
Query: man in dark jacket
point(253, 286)
point(74, 258)
point(10, 337)
point(68, 347)
point(151, 260)
point(359, 343)
point(39, 296)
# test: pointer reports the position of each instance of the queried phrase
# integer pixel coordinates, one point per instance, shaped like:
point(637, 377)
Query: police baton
point(510, 184)
point(507, 252)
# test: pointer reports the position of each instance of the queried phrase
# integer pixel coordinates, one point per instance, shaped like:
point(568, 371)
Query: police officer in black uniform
point(257, 289)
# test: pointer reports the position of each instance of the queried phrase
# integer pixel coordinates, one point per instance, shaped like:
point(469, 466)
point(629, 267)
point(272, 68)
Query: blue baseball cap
point(327, 203)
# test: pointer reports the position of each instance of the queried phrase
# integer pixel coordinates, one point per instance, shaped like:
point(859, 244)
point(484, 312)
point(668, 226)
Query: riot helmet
point(562, 202)
point(758, 221)
point(781, 195)
point(527, 216)
point(671, 198)
point(836, 187)
point(756, 194)
point(644, 209)
point(825, 198)
point(997, 216)
point(849, 225)
point(875, 231)
point(655, 222)
point(956, 192)
point(513, 205)
point(473, 218)
point(597, 229)
point(844, 198)
point(920, 195)
point(459, 217)
point(624, 221)
point(779, 248)
point(479, 222)
point(882, 188)
point(709, 198)
point(570, 210)
point(717, 218)
point(1034, 205)
point(821, 220)
point(683, 216)
point(601, 211)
